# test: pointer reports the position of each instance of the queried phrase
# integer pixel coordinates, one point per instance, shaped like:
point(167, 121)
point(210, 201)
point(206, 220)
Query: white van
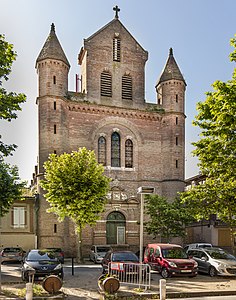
point(197, 245)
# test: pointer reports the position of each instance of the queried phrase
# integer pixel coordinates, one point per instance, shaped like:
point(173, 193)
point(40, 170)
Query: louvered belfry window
point(106, 84)
point(115, 149)
point(116, 49)
point(128, 154)
point(102, 151)
point(127, 87)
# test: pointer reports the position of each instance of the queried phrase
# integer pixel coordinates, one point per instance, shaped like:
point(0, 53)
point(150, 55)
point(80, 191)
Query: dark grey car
point(214, 261)
point(42, 263)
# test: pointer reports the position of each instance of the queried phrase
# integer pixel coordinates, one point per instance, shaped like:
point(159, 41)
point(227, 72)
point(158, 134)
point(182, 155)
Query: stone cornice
point(115, 111)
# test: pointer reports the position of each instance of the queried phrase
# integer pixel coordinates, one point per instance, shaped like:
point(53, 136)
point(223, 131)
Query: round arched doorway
point(115, 227)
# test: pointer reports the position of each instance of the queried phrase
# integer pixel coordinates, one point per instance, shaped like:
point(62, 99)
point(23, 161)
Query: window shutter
point(106, 84)
point(127, 87)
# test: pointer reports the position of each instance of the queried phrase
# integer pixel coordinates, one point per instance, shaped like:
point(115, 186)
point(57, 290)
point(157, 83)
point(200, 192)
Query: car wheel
point(212, 271)
point(165, 273)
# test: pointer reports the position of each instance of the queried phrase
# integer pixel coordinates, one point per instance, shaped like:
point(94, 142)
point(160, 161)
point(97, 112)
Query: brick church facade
point(139, 143)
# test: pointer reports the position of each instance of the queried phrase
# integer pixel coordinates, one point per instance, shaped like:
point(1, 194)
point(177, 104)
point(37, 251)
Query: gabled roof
point(171, 70)
point(52, 48)
point(114, 21)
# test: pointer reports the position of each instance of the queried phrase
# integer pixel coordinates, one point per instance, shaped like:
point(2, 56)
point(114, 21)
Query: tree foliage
point(216, 151)
point(167, 219)
point(10, 186)
point(75, 187)
point(9, 102)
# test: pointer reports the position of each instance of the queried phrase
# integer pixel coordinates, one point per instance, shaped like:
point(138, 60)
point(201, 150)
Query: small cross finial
point(171, 51)
point(116, 9)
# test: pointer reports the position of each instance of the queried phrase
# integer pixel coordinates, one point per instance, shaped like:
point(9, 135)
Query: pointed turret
point(52, 49)
point(171, 70)
point(171, 86)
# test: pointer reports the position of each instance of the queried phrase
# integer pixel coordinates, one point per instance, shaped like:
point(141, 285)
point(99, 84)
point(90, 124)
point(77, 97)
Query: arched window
point(127, 89)
point(106, 84)
point(116, 49)
point(115, 149)
point(115, 228)
point(128, 154)
point(102, 150)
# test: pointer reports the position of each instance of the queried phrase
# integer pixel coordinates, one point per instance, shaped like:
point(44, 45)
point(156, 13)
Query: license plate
point(185, 271)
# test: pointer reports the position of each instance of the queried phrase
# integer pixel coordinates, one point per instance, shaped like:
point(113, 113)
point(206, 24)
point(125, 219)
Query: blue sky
point(199, 32)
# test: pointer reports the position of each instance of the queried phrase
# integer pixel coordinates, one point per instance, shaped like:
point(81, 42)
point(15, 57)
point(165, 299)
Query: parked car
point(12, 254)
point(122, 263)
point(43, 263)
point(197, 245)
point(58, 252)
point(170, 260)
point(214, 261)
point(97, 252)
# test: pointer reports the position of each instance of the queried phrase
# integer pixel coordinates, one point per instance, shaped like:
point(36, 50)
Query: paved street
point(83, 284)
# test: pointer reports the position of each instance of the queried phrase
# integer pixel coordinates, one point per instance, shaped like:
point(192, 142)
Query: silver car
point(97, 252)
point(214, 261)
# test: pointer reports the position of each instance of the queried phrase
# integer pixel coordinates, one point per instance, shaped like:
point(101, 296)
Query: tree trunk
point(79, 249)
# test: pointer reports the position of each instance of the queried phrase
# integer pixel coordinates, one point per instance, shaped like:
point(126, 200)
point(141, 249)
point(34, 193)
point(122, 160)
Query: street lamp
point(143, 190)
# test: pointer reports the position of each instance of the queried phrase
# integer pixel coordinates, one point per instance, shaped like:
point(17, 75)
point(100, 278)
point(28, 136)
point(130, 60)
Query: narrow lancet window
point(116, 49)
point(102, 151)
point(129, 154)
point(115, 149)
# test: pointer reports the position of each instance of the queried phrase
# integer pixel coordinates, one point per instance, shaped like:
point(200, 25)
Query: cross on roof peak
point(116, 9)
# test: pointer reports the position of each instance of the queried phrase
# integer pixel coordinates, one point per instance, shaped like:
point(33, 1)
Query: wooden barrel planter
point(108, 284)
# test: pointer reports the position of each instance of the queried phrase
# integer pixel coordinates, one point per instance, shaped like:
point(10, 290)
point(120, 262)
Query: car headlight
point(58, 267)
point(195, 264)
point(27, 267)
point(172, 264)
point(222, 266)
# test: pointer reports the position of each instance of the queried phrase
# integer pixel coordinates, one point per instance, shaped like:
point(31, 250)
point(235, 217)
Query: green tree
point(9, 102)
point(76, 188)
point(216, 151)
point(167, 219)
point(10, 186)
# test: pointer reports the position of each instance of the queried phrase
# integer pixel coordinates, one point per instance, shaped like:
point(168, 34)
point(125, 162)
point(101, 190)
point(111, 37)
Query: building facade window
point(54, 80)
point(106, 84)
point(102, 151)
point(115, 149)
point(127, 89)
point(19, 217)
point(115, 228)
point(116, 49)
point(128, 154)
point(176, 140)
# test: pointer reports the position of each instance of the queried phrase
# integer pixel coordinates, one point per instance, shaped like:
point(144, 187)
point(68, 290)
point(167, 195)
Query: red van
point(170, 260)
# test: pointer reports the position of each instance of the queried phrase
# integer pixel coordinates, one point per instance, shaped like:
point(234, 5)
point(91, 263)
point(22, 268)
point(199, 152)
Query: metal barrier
point(131, 273)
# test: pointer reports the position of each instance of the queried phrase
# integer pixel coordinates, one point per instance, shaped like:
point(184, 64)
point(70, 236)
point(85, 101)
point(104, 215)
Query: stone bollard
point(29, 291)
point(162, 289)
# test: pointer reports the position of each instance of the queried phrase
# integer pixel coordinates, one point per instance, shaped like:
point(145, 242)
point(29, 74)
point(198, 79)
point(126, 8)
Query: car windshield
point(174, 253)
point(216, 254)
point(124, 257)
point(40, 256)
point(103, 249)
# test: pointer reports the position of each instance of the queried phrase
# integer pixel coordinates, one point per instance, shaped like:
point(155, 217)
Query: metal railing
point(131, 273)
